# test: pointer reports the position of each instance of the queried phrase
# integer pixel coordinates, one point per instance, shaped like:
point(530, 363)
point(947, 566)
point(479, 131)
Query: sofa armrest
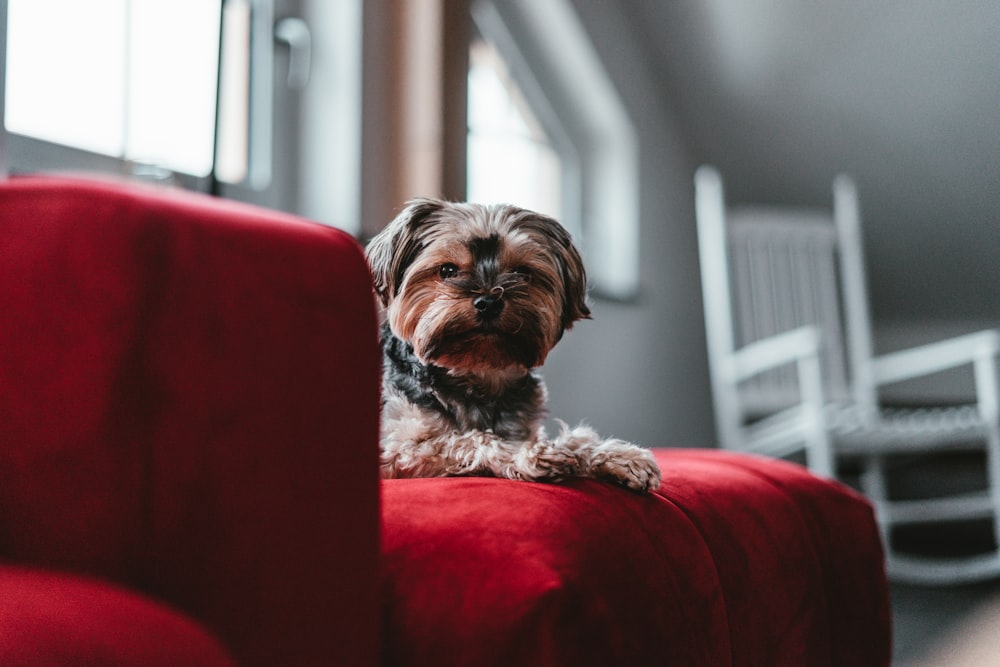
point(190, 409)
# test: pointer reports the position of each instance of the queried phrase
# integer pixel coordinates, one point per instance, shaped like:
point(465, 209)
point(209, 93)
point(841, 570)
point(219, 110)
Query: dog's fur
point(475, 297)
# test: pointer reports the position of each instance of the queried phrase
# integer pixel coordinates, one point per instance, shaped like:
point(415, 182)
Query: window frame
point(560, 73)
point(535, 132)
point(490, 26)
point(26, 154)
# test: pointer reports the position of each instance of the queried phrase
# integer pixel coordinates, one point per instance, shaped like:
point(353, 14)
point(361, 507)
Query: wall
point(783, 95)
point(639, 370)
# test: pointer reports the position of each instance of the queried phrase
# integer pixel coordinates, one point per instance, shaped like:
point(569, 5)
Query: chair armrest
point(768, 353)
point(935, 357)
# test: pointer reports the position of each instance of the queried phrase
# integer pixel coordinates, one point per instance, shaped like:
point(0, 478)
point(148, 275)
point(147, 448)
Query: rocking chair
point(793, 371)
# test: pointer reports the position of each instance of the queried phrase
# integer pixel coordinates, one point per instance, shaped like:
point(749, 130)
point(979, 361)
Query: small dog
point(475, 297)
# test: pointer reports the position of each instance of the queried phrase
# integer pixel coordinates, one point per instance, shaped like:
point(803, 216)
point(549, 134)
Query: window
point(130, 87)
point(107, 77)
point(569, 142)
point(510, 157)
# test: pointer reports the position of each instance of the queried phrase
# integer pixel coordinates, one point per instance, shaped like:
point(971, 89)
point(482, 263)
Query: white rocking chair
point(792, 368)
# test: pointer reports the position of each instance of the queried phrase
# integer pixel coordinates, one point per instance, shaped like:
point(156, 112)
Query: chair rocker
point(793, 371)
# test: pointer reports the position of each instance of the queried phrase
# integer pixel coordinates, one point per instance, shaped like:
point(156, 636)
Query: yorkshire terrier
point(475, 297)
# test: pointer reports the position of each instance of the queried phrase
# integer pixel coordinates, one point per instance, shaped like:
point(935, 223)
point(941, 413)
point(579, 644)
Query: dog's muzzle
point(489, 305)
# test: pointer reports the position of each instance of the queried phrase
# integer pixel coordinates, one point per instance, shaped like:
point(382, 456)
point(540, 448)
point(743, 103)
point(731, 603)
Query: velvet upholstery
point(188, 476)
point(188, 409)
point(57, 619)
point(735, 561)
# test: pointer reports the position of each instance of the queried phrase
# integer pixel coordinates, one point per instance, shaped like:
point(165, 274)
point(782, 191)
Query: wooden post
point(414, 127)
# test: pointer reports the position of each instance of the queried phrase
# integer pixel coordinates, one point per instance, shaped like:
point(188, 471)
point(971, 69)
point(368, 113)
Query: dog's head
point(478, 289)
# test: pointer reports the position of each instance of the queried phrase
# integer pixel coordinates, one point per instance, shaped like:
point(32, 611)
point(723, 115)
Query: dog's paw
point(541, 461)
point(627, 465)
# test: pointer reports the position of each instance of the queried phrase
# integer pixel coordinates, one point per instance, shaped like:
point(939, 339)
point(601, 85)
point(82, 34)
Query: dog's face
point(477, 289)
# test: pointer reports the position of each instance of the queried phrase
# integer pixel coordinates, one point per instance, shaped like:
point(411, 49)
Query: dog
point(474, 297)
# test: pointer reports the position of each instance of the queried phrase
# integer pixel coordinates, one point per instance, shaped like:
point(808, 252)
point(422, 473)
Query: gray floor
point(927, 620)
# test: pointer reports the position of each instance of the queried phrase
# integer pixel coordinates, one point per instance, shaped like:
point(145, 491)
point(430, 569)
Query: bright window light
point(550, 55)
point(66, 72)
point(134, 79)
point(173, 73)
point(510, 159)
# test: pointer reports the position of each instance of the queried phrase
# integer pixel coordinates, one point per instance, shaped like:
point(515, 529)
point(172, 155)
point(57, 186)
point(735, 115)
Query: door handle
point(295, 33)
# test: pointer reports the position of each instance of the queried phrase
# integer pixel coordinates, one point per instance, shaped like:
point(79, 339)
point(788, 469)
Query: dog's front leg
point(541, 461)
point(474, 453)
point(440, 455)
point(612, 460)
point(417, 443)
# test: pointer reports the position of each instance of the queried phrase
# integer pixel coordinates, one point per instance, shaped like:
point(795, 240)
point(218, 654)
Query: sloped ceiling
point(902, 94)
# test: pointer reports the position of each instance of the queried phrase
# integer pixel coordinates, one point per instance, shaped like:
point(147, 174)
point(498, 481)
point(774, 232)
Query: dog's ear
point(571, 269)
point(393, 249)
point(575, 281)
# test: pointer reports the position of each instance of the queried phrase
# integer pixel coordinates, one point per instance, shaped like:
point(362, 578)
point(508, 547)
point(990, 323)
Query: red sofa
point(735, 561)
point(188, 425)
point(188, 419)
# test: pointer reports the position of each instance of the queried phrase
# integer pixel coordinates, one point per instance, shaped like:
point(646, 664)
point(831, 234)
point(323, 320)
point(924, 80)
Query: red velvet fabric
point(188, 408)
point(55, 620)
point(188, 472)
point(736, 560)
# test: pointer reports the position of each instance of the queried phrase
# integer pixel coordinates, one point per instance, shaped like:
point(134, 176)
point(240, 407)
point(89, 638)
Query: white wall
point(638, 370)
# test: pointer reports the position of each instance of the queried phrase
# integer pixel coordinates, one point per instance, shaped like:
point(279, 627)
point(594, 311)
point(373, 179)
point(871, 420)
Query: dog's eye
point(522, 272)
point(447, 271)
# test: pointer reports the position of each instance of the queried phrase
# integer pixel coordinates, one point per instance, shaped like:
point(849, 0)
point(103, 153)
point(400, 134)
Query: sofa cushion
point(50, 619)
point(736, 560)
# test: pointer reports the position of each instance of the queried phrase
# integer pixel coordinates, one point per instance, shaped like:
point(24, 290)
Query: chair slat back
point(785, 274)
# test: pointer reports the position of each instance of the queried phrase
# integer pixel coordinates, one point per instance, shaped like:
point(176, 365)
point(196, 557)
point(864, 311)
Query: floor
point(930, 625)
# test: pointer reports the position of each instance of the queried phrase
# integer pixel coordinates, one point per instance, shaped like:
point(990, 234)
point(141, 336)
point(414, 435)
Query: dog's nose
point(488, 305)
